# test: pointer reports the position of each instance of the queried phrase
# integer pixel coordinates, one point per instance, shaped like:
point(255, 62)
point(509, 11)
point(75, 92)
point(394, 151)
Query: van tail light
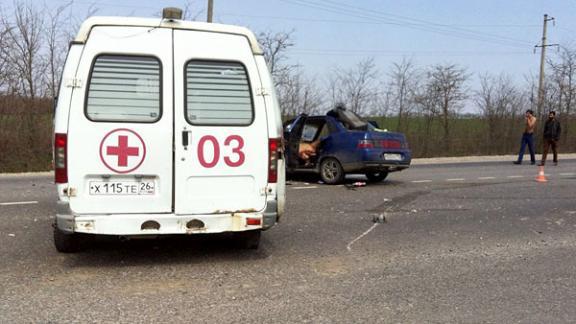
point(362, 144)
point(60, 158)
point(274, 152)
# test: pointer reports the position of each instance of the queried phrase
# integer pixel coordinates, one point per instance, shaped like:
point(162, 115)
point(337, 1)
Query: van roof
point(91, 22)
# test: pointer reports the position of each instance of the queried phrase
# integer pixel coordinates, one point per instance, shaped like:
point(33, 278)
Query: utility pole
point(543, 46)
point(210, 10)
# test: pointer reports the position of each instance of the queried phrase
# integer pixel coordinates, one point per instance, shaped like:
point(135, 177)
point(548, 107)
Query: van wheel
point(67, 242)
point(376, 176)
point(250, 239)
point(331, 172)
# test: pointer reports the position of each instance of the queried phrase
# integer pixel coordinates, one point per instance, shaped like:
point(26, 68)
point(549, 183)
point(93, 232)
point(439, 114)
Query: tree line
point(435, 106)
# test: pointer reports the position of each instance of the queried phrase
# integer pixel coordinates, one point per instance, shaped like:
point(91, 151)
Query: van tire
point(67, 242)
point(331, 171)
point(376, 176)
point(250, 239)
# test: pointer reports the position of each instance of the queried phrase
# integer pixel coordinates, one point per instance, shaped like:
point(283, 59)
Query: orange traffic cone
point(541, 176)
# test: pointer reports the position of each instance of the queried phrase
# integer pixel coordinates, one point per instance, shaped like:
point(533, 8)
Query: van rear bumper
point(159, 224)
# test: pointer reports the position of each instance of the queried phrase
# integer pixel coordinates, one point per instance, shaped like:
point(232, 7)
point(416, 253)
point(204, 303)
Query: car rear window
point(218, 93)
point(124, 88)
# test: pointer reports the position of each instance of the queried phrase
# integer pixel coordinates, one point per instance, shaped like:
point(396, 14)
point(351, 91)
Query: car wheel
point(376, 176)
point(331, 171)
point(67, 242)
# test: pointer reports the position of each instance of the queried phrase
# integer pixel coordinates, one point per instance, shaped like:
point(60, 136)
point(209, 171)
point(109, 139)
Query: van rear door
point(120, 132)
point(221, 142)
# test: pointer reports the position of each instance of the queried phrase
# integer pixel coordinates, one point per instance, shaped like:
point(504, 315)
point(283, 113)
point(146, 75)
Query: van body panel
point(96, 147)
point(204, 181)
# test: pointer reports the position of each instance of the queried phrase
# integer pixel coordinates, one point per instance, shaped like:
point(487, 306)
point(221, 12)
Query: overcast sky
point(483, 36)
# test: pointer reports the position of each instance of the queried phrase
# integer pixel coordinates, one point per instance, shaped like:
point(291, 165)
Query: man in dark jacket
point(551, 136)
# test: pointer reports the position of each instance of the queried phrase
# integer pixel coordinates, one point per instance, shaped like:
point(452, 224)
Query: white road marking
point(515, 176)
point(456, 179)
point(309, 187)
point(421, 181)
point(349, 246)
point(18, 203)
point(567, 174)
point(486, 178)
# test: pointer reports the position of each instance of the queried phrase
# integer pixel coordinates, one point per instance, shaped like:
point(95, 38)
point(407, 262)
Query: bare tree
point(56, 41)
point(189, 13)
point(24, 36)
point(447, 84)
point(298, 94)
point(562, 91)
point(498, 100)
point(356, 87)
point(402, 85)
point(274, 46)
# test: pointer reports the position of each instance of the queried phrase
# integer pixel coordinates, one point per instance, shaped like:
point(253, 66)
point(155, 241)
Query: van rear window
point(218, 93)
point(124, 88)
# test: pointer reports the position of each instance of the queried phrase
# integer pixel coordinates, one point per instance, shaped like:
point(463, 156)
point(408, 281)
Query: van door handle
point(185, 138)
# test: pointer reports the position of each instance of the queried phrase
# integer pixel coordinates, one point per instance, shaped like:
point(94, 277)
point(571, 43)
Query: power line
point(336, 52)
point(366, 22)
point(428, 27)
point(425, 22)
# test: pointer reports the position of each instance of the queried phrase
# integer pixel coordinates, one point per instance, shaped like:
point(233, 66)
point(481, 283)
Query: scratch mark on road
point(349, 246)
point(309, 187)
point(18, 203)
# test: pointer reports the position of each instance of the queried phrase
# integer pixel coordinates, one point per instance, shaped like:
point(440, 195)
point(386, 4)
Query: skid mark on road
point(12, 203)
point(349, 246)
point(308, 187)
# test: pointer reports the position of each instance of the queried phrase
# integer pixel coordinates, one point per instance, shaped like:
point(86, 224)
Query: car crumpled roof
point(352, 120)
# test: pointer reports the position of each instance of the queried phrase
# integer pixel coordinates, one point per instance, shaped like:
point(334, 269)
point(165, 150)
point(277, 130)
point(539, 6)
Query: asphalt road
point(479, 242)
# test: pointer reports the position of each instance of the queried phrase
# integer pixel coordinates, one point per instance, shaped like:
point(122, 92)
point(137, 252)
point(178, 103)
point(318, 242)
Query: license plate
point(392, 157)
point(129, 188)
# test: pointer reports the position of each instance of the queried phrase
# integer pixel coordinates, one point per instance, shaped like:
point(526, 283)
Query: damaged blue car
point(341, 143)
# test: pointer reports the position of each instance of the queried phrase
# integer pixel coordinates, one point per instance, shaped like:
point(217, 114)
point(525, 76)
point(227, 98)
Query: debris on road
point(380, 218)
point(355, 185)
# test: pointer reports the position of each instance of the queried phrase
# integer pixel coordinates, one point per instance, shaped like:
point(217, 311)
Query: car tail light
point(391, 144)
point(365, 144)
point(60, 158)
point(274, 151)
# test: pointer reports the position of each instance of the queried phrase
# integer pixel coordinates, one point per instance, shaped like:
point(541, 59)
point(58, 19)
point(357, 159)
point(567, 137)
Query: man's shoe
point(541, 164)
point(517, 162)
point(533, 162)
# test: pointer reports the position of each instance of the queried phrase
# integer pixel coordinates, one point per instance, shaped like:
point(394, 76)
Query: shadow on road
point(110, 251)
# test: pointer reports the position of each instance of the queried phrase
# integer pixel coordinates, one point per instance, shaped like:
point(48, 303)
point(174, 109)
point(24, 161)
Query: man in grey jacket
point(551, 136)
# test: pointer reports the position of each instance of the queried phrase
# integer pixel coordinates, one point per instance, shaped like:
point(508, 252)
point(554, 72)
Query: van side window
point(218, 93)
point(124, 88)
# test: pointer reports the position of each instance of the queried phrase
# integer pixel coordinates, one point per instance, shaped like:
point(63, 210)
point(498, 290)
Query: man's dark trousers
point(527, 139)
point(549, 142)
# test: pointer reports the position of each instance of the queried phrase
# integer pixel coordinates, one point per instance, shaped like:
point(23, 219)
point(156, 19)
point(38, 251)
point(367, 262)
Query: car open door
point(293, 141)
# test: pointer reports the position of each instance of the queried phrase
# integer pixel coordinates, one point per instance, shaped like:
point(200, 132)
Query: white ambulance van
point(165, 126)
